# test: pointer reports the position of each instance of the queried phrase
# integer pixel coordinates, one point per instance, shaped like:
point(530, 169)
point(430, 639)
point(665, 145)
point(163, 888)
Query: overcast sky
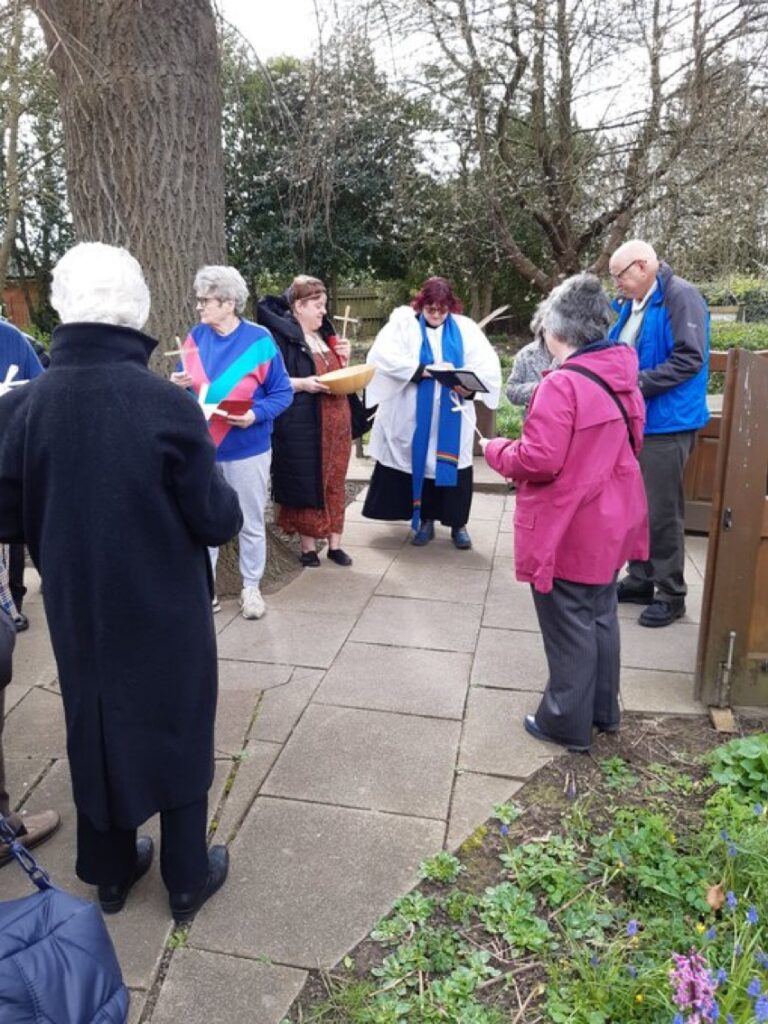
point(274, 27)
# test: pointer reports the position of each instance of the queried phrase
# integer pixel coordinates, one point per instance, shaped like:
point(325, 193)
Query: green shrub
point(735, 335)
point(742, 290)
point(742, 765)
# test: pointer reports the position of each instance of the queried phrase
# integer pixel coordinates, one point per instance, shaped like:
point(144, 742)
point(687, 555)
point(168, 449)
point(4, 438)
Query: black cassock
point(108, 473)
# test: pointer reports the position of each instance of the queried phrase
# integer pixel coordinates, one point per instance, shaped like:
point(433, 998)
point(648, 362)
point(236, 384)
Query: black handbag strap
point(575, 368)
point(36, 874)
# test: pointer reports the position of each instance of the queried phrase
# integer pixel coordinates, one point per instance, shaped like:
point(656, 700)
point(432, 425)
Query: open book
point(451, 377)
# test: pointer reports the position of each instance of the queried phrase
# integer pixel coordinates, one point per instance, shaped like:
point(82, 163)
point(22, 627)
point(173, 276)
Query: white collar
point(638, 304)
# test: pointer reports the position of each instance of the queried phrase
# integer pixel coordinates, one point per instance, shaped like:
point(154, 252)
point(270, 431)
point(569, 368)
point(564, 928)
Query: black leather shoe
point(339, 557)
point(530, 726)
point(461, 539)
point(21, 622)
point(112, 897)
point(184, 905)
point(309, 559)
point(629, 592)
point(662, 613)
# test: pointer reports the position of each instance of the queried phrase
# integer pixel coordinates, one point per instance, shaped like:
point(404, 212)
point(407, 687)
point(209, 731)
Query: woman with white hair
point(232, 361)
point(581, 511)
point(108, 474)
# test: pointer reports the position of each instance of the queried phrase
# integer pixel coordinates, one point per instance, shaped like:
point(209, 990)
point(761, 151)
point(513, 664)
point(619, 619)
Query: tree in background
point(140, 104)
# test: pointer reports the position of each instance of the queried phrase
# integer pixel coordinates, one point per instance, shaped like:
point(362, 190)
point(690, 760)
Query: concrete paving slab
point(287, 637)
point(494, 741)
point(327, 589)
point(671, 648)
point(33, 660)
point(509, 604)
point(474, 797)
point(407, 680)
point(35, 726)
point(281, 708)
point(13, 693)
point(511, 660)
point(441, 553)
point(230, 610)
point(405, 622)
point(374, 760)
point(252, 675)
point(252, 768)
point(309, 881)
point(136, 1007)
point(375, 534)
point(696, 550)
point(656, 691)
point(692, 603)
point(464, 586)
point(234, 712)
point(208, 988)
point(21, 774)
point(373, 561)
point(486, 506)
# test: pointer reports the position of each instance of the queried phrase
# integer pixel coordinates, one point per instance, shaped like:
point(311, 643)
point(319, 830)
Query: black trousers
point(109, 858)
point(16, 574)
point(662, 462)
point(580, 627)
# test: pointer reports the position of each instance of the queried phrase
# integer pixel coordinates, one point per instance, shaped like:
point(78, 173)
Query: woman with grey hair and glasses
point(581, 511)
point(236, 370)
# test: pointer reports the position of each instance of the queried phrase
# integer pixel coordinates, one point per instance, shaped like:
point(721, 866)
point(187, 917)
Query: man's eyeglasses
point(621, 273)
point(202, 301)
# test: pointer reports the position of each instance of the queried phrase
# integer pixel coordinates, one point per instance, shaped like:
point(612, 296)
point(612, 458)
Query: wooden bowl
point(349, 379)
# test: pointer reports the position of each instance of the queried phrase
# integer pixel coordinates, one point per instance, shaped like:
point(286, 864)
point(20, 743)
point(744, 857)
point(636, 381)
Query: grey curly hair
point(578, 311)
point(223, 283)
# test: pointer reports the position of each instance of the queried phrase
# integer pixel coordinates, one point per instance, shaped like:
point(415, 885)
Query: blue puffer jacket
point(673, 353)
point(57, 964)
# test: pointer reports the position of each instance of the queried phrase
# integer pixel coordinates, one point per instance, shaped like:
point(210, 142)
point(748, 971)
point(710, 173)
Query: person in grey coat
point(530, 363)
point(109, 475)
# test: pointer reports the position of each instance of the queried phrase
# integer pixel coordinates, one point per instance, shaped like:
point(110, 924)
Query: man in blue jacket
point(16, 350)
point(667, 321)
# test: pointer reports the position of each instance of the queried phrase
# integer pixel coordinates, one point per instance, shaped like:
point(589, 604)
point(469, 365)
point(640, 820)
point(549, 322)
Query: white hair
point(578, 310)
point(216, 282)
point(97, 283)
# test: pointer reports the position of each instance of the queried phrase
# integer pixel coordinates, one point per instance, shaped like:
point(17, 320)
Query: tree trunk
point(141, 108)
point(12, 117)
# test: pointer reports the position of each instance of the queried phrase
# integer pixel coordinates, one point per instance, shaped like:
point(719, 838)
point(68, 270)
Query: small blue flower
point(594, 960)
point(632, 927)
point(732, 851)
point(504, 830)
point(752, 917)
point(754, 988)
point(758, 809)
point(761, 1010)
point(714, 1012)
point(737, 950)
point(729, 1019)
point(722, 976)
point(678, 1019)
point(724, 835)
point(632, 971)
point(711, 934)
point(731, 900)
point(762, 959)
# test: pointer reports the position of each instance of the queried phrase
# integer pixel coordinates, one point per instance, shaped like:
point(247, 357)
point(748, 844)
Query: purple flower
point(732, 851)
point(724, 835)
point(679, 1019)
point(758, 809)
point(504, 830)
point(632, 927)
point(632, 971)
point(731, 900)
point(594, 960)
point(737, 950)
point(761, 1010)
point(752, 917)
point(722, 976)
point(711, 934)
point(762, 959)
point(694, 985)
point(729, 1019)
point(714, 1013)
point(754, 988)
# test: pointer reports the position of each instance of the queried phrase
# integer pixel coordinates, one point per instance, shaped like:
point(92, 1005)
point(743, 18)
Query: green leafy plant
point(508, 911)
point(443, 867)
point(507, 813)
point(617, 774)
point(742, 765)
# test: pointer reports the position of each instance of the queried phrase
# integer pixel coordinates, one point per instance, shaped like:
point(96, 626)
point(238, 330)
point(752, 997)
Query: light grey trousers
point(580, 628)
point(250, 478)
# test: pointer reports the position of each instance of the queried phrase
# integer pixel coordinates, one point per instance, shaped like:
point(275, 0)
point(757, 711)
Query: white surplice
point(395, 354)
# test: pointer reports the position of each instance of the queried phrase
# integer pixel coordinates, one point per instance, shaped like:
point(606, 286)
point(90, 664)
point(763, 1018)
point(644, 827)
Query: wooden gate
point(732, 658)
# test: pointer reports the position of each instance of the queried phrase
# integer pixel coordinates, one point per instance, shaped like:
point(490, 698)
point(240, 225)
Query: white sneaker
point(215, 604)
point(252, 603)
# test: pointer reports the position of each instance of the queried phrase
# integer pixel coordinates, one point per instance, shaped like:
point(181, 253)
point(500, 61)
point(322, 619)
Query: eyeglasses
point(621, 273)
point(203, 300)
point(436, 310)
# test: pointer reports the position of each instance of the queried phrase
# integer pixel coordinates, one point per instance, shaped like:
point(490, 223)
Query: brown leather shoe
point(36, 828)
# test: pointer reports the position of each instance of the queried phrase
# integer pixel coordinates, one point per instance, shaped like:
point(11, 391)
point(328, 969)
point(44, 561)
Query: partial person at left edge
point(109, 474)
point(17, 350)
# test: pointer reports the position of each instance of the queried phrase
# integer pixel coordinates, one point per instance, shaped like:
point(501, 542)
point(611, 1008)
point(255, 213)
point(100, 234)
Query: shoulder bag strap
point(36, 874)
point(575, 368)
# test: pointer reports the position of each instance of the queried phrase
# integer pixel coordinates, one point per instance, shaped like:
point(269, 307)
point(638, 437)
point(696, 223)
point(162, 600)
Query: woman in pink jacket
point(581, 511)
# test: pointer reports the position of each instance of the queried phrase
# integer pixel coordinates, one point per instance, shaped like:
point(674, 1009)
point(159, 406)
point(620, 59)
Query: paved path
point(371, 718)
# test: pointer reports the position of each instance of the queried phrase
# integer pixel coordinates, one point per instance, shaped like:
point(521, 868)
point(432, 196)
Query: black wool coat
point(297, 453)
point(108, 473)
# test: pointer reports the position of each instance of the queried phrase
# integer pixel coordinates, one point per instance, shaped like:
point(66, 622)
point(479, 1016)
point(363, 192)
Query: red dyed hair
point(436, 291)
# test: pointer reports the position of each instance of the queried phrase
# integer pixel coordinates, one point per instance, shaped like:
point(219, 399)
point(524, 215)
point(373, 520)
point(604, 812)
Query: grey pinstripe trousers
point(580, 627)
